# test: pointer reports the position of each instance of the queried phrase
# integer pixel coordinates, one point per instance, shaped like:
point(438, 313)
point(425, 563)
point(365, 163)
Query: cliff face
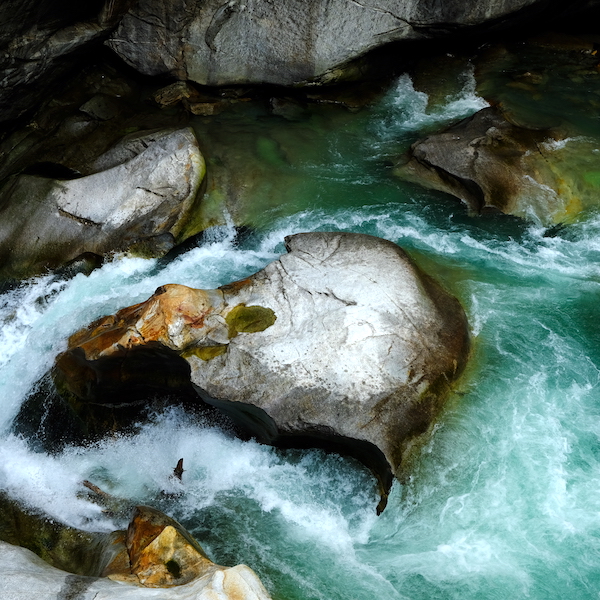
point(219, 42)
point(40, 41)
point(224, 42)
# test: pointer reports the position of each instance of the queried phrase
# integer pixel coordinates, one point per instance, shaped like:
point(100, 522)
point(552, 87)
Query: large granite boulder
point(343, 343)
point(495, 166)
point(140, 197)
point(222, 42)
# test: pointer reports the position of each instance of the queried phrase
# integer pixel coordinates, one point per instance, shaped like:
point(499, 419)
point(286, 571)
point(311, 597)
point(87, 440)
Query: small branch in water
point(178, 470)
point(94, 488)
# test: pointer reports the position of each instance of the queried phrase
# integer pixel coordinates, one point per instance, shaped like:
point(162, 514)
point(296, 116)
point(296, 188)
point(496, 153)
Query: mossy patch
point(249, 319)
point(205, 352)
point(592, 178)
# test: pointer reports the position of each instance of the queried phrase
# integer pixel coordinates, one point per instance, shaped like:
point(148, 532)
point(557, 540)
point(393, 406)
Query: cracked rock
point(224, 42)
point(144, 190)
point(342, 343)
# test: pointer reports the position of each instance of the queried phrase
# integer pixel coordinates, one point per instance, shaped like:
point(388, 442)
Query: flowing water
point(502, 501)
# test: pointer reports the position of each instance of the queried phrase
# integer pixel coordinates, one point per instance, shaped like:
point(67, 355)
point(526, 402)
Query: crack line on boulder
point(383, 11)
point(346, 302)
point(151, 192)
point(293, 281)
point(397, 306)
point(79, 219)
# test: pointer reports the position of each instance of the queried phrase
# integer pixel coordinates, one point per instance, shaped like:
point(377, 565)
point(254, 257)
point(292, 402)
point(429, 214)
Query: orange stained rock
point(175, 315)
point(161, 552)
point(170, 560)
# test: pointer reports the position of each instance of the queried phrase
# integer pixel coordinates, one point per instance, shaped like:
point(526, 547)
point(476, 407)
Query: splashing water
point(501, 502)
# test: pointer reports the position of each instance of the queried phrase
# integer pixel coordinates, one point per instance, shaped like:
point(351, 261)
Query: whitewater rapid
point(502, 500)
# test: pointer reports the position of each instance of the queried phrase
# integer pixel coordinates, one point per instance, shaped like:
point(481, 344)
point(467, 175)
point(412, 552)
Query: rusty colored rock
point(161, 552)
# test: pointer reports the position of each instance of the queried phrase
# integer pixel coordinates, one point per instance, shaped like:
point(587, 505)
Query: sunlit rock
point(26, 576)
point(161, 552)
point(342, 343)
point(142, 197)
point(155, 552)
point(494, 166)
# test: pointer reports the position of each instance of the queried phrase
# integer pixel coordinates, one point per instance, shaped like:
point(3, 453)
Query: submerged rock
point(143, 192)
point(495, 166)
point(342, 343)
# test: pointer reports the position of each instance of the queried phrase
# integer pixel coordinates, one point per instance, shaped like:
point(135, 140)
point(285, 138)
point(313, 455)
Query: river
point(502, 500)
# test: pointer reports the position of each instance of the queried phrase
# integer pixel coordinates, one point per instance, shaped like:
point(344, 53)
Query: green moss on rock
point(205, 352)
point(249, 319)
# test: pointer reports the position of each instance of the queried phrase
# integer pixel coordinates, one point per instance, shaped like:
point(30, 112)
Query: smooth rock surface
point(223, 42)
point(26, 576)
point(342, 343)
point(154, 552)
point(494, 166)
point(145, 194)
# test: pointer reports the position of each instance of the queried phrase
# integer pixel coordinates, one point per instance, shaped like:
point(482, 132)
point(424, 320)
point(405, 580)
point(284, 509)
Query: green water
point(502, 501)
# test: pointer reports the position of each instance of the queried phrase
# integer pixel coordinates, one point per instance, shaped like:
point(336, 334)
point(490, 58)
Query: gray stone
point(358, 355)
point(222, 42)
point(45, 223)
point(495, 166)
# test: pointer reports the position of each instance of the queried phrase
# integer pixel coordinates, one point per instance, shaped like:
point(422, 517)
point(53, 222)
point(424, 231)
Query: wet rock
point(342, 343)
point(155, 552)
point(26, 576)
point(161, 552)
point(492, 165)
point(548, 81)
point(285, 42)
point(41, 41)
point(73, 550)
point(289, 108)
point(46, 222)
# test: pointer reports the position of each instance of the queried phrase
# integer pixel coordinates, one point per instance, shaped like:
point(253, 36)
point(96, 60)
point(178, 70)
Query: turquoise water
point(501, 502)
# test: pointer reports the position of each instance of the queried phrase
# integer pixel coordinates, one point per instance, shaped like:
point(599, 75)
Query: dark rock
point(289, 108)
point(101, 107)
point(41, 41)
point(63, 547)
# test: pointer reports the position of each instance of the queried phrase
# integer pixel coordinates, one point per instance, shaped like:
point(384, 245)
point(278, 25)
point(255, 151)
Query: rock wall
point(40, 41)
point(222, 42)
